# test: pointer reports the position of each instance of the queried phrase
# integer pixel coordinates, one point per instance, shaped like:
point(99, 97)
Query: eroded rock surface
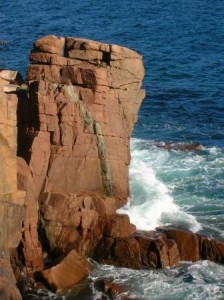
point(83, 102)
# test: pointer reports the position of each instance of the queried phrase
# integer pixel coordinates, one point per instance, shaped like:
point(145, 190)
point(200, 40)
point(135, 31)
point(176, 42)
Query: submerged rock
point(114, 290)
point(179, 146)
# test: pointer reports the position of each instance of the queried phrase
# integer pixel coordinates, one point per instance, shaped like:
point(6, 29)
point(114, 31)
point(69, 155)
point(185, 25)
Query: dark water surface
point(182, 43)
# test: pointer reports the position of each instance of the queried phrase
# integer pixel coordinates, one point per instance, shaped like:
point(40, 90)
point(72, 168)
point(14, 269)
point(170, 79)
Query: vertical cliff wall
point(75, 131)
point(11, 199)
point(85, 97)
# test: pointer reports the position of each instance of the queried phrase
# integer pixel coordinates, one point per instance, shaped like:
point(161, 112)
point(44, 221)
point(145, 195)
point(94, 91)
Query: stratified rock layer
point(75, 131)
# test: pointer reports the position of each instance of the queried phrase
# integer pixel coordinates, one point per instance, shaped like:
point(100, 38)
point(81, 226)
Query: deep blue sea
point(182, 43)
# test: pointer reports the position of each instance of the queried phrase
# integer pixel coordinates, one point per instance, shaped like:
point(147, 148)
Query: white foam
point(152, 204)
point(200, 280)
point(214, 150)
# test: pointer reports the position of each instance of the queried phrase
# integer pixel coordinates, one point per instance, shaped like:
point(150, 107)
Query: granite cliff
point(74, 133)
point(61, 183)
point(11, 198)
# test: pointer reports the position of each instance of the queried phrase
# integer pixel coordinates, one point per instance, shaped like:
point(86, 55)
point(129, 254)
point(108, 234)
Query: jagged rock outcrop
point(165, 247)
point(142, 249)
point(83, 102)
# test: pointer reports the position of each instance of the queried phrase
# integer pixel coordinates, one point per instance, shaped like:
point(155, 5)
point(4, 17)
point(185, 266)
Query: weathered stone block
point(85, 54)
point(73, 268)
point(50, 109)
point(119, 225)
point(50, 44)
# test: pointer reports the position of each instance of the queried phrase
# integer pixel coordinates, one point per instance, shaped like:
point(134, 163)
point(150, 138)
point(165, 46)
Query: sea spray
point(151, 204)
point(200, 280)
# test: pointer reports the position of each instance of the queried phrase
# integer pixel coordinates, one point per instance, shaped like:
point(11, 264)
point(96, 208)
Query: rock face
point(75, 131)
point(30, 246)
point(11, 200)
point(157, 249)
point(140, 250)
point(75, 116)
point(85, 98)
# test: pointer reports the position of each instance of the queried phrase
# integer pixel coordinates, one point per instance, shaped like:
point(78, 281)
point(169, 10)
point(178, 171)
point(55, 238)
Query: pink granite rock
point(84, 100)
point(68, 272)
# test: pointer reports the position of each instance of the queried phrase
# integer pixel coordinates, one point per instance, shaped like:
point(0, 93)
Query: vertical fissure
point(94, 127)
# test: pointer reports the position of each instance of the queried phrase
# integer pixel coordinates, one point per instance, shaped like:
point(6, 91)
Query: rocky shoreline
point(65, 154)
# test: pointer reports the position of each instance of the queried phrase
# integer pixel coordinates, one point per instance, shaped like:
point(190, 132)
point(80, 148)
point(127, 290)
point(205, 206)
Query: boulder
point(50, 44)
point(68, 272)
point(180, 146)
point(113, 290)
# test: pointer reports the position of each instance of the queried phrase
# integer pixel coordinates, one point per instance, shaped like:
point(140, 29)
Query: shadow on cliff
point(28, 121)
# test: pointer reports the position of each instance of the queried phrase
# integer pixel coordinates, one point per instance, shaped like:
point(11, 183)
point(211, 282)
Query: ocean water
point(182, 43)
